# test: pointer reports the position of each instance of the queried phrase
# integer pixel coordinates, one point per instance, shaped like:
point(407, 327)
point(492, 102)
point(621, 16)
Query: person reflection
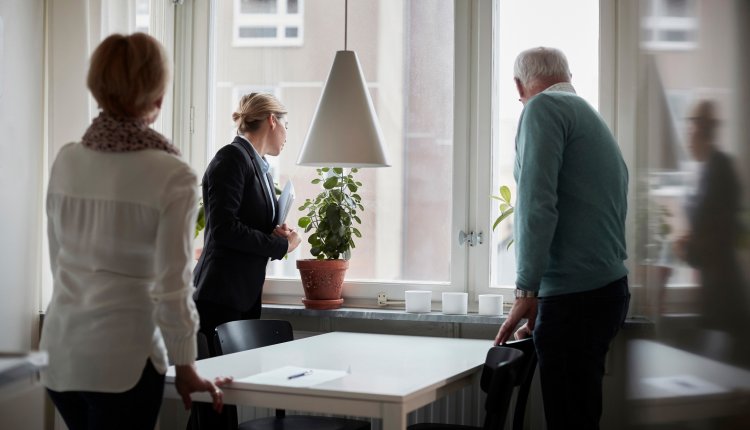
point(712, 210)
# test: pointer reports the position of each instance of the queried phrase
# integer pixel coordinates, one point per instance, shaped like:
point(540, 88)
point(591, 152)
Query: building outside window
point(267, 22)
point(669, 24)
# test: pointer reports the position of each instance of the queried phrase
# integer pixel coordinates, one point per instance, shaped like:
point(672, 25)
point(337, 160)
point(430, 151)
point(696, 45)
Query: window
point(513, 36)
point(267, 22)
point(441, 83)
point(142, 15)
point(67, 67)
point(669, 24)
point(407, 57)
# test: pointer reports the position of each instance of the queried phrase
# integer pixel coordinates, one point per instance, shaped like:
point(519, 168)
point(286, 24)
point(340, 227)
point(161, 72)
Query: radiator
point(455, 408)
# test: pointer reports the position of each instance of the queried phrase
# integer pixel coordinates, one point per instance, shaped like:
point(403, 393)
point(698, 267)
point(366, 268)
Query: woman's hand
point(282, 231)
point(294, 240)
point(290, 235)
point(188, 381)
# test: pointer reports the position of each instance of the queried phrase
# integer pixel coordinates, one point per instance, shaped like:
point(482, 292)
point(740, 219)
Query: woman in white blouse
point(121, 209)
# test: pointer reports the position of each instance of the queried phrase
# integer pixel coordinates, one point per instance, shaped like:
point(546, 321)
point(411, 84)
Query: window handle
point(471, 238)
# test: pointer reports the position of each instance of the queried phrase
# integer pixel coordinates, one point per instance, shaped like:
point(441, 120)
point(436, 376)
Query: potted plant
point(331, 217)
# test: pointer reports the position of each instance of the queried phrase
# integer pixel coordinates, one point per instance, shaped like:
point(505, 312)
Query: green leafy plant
point(506, 209)
point(200, 222)
point(332, 214)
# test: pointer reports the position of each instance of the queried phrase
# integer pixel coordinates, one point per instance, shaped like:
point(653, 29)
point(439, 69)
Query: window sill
point(286, 310)
point(281, 310)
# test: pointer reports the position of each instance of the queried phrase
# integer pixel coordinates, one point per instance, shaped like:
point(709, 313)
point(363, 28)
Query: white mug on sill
point(491, 304)
point(418, 301)
point(455, 303)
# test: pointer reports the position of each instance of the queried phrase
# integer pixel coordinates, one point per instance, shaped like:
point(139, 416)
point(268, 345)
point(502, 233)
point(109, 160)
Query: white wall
point(21, 164)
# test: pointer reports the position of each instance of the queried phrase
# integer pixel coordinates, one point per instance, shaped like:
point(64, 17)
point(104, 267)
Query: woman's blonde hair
point(128, 74)
point(254, 108)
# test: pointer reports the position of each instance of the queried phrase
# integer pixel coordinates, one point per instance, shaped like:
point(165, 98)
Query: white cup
point(455, 303)
point(418, 301)
point(490, 304)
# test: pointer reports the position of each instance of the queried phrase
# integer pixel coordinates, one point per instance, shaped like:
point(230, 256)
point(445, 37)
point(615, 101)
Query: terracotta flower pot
point(322, 281)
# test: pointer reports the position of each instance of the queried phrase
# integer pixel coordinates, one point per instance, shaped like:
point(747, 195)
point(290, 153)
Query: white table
point(668, 385)
point(19, 372)
point(389, 376)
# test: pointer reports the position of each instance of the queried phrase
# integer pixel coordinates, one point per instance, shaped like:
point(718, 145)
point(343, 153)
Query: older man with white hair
point(569, 230)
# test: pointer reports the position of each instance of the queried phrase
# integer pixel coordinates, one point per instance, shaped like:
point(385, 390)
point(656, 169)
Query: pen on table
point(297, 375)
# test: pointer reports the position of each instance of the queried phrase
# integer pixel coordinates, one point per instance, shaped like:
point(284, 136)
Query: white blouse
point(120, 227)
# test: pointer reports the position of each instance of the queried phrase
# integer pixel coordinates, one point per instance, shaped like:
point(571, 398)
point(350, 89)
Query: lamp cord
point(346, 19)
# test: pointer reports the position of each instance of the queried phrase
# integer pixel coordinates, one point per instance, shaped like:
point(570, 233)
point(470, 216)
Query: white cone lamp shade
point(345, 131)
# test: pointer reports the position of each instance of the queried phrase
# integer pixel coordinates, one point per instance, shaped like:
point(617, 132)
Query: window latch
point(471, 238)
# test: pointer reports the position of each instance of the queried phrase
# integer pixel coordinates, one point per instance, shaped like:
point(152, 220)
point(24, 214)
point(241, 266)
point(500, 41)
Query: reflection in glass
point(690, 212)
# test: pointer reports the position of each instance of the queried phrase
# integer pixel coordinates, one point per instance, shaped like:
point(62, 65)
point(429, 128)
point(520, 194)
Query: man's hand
point(523, 307)
point(188, 381)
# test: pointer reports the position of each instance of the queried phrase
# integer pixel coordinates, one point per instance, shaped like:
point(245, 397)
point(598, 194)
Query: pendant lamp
point(345, 131)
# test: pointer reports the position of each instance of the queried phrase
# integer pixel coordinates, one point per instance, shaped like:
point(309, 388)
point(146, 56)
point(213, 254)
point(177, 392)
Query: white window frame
point(279, 20)
point(473, 89)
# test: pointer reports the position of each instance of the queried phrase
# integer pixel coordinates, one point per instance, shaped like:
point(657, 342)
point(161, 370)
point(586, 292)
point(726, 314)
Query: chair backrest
point(501, 374)
point(203, 351)
point(526, 376)
point(236, 336)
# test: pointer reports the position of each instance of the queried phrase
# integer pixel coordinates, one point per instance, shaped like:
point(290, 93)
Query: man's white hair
point(541, 64)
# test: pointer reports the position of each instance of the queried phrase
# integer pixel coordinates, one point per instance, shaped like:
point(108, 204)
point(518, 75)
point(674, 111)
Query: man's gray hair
point(541, 64)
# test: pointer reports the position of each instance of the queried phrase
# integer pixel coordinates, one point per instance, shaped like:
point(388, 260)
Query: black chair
point(203, 351)
point(506, 367)
point(236, 336)
point(529, 356)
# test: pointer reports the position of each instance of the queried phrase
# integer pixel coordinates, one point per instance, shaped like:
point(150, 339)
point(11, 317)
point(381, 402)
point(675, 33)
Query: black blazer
point(713, 215)
point(237, 239)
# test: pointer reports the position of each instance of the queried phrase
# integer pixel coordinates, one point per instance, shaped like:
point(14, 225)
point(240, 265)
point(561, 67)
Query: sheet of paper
point(286, 199)
point(280, 377)
point(685, 385)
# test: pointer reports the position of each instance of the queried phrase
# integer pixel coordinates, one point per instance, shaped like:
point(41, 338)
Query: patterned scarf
point(113, 134)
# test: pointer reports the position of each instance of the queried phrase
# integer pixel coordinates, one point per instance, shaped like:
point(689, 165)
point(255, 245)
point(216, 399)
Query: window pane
point(257, 32)
point(292, 6)
point(406, 53)
point(514, 35)
point(291, 32)
point(678, 8)
point(674, 36)
point(142, 15)
point(255, 6)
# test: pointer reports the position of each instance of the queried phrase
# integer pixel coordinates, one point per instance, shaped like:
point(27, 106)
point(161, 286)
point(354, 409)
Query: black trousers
point(572, 336)
point(134, 409)
point(212, 315)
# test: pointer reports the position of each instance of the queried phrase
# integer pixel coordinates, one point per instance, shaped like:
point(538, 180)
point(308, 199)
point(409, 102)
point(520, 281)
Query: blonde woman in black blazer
point(240, 205)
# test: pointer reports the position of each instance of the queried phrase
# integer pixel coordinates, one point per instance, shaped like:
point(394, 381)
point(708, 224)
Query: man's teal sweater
point(571, 202)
